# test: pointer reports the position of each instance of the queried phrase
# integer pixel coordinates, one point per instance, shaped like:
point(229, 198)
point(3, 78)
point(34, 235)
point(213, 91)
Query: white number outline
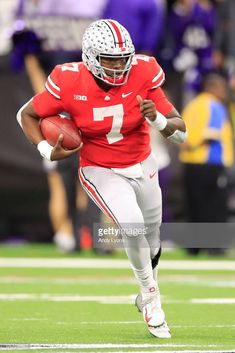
point(72, 67)
point(139, 57)
point(117, 113)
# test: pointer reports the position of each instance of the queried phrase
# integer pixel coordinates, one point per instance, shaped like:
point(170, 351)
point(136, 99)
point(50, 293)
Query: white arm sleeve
point(18, 115)
point(43, 147)
point(178, 136)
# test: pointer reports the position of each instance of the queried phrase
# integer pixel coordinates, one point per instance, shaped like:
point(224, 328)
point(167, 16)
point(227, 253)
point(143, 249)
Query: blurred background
point(191, 40)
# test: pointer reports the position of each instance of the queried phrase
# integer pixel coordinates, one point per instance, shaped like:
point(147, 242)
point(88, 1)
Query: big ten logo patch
point(78, 97)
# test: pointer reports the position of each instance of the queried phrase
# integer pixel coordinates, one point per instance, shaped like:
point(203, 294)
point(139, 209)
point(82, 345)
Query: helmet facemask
point(98, 43)
point(115, 77)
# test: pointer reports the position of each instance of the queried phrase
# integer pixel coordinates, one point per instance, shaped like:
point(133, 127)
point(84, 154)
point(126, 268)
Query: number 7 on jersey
point(117, 113)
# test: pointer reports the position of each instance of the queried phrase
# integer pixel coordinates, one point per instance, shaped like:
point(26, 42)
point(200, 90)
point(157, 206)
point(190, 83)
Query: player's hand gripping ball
point(52, 127)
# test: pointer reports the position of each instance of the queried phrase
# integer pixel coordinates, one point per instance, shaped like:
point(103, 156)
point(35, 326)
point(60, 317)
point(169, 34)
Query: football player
point(112, 96)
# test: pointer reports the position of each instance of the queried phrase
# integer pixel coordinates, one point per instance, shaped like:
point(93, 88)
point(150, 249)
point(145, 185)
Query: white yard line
point(99, 346)
point(213, 301)
point(102, 299)
point(122, 299)
point(154, 351)
point(166, 351)
point(141, 322)
point(29, 319)
point(114, 264)
point(192, 281)
point(147, 351)
point(65, 281)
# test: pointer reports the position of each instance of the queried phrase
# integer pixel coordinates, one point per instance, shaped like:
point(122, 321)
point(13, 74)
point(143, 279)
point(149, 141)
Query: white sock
point(145, 278)
point(148, 291)
point(138, 252)
point(155, 273)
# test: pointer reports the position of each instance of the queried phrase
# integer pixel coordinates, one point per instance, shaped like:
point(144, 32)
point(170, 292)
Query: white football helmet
point(105, 39)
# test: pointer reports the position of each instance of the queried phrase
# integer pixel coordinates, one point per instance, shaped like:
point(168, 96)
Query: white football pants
point(130, 202)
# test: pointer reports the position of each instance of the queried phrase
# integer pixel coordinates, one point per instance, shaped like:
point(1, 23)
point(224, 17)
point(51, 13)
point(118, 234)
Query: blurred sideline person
point(40, 46)
point(192, 25)
point(144, 20)
point(206, 154)
point(117, 169)
point(58, 211)
point(224, 54)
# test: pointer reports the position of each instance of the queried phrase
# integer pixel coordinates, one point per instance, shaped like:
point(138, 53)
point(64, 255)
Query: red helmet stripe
point(117, 32)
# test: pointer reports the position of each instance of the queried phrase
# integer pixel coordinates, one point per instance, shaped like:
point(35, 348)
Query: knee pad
point(156, 258)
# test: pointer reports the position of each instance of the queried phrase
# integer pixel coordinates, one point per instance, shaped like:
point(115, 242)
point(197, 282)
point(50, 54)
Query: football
point(53, 126)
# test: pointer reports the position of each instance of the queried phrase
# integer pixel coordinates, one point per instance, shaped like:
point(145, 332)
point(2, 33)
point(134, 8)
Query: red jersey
point(114, 133)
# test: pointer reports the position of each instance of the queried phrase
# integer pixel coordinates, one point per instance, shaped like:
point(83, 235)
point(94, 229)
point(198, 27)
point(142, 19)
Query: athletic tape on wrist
point(160, 122)
point(45, 149)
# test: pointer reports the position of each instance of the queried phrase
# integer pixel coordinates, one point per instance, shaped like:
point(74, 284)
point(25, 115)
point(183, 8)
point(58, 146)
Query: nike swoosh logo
point(152, 175)
point(124, 95)
point(147, 318)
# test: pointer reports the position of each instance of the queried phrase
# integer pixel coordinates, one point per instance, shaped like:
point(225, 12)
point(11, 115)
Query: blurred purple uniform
point(72, 8)
point(195, 32)
point(59, 23)
point(143, 19)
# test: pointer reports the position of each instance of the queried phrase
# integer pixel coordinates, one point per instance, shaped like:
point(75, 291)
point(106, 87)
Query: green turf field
point(49, 309)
